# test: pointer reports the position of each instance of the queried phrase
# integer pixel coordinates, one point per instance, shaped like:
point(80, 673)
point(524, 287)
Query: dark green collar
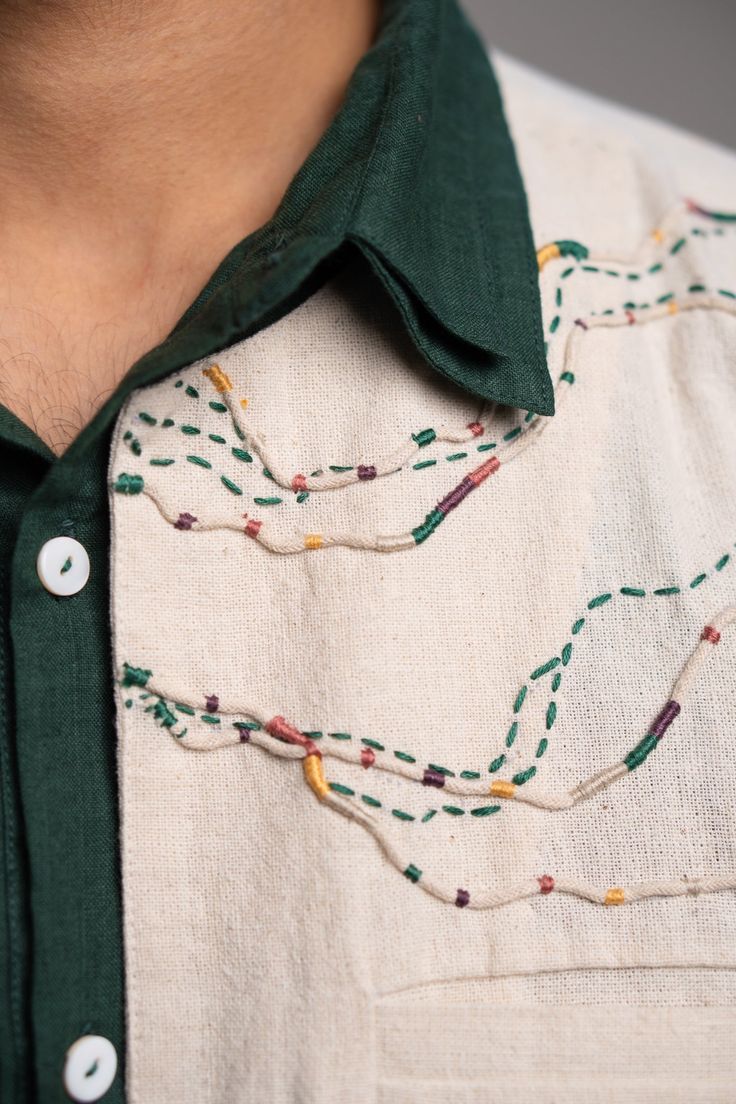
point(442, 214)
point(417, 171)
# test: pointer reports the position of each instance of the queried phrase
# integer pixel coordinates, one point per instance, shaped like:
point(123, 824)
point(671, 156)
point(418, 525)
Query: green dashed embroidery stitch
point(132, 442)
point(128, 484)
point(192, 431)
point(161, 711)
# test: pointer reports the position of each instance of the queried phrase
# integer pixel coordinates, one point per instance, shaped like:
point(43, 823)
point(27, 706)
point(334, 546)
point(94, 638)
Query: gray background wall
point(672, 58)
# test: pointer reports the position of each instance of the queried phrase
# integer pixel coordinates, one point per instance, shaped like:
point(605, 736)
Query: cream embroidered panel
point(426, 709)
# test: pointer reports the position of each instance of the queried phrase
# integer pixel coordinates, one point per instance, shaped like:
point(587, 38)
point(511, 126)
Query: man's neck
point(140, 142)
point(135, 112)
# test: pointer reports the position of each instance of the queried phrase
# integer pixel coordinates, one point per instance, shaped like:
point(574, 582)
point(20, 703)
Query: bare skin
point(138, 143)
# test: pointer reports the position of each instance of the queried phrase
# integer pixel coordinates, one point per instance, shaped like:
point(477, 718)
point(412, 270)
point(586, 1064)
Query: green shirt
point(407, 177)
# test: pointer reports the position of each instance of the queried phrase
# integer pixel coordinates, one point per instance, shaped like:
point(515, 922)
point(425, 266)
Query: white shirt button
point(90, 1068)
point(63, 566)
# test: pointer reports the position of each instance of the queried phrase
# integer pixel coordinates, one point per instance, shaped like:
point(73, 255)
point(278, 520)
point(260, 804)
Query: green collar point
point(442, 214)
point(483, 359)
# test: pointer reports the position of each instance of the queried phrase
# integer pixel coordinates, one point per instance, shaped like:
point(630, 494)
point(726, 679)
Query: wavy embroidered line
point(514, 443)
point(368, 754)
point(339, 475)
point(164, 712)
point(301, 495)
point(366, 750)
point(669, 227)
point(280, 737)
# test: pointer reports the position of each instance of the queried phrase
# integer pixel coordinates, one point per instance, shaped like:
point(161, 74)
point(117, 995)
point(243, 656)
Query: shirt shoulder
point(602, 172)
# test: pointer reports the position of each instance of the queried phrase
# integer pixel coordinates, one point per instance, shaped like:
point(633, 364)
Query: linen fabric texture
point(273, 951)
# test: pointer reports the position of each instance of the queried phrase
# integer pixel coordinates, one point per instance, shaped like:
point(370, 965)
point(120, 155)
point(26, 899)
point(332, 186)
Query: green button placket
point(15, 1065)
point(67, 776)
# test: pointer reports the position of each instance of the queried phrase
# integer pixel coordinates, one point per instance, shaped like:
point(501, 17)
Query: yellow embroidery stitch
point(220, 381)
point(315, 775)
point(502, 789)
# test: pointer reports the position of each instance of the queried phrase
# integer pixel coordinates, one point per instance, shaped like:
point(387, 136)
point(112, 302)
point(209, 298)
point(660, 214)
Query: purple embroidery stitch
point(455, 497)
point(665, 719)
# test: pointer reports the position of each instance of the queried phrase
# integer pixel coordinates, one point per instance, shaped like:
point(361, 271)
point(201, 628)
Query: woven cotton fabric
point(273, 949)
